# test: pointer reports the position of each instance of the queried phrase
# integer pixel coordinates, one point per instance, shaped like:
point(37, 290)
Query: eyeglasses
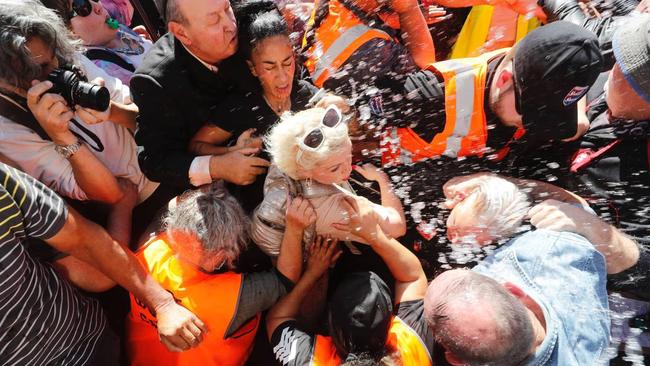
point(314, 139)
point(81, 8)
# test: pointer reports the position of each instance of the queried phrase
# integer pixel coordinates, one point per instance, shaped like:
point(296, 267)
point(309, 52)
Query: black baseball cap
point(553, 67)
point(360, 312)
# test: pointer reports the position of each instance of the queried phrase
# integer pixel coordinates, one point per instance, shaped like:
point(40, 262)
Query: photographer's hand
point(121, 114)
point(51, 111)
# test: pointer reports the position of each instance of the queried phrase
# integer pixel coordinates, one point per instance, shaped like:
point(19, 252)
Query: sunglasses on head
point(314, 139)
point(81, 8)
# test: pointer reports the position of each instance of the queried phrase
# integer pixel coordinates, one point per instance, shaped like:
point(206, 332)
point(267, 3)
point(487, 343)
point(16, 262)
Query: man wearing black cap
point(501, 104)
point(360, 313)
point(610, 164)
point(489, 101)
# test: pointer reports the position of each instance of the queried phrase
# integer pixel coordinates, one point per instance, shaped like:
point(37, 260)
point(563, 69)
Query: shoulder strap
point(15, 109)
point(110, 56)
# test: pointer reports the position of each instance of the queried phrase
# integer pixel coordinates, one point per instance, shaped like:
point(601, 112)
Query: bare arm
point(300, 214)
point(410, 280)
point(323, 253)
point(415, 31)
point(51, 111)
point(620, 251)
point(179, 328)
point(520, 6)
point(124, 115)
point(395, 224)
point(205, 140)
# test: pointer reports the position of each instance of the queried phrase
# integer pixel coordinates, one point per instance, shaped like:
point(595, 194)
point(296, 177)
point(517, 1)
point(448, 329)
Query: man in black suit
point(182, 79)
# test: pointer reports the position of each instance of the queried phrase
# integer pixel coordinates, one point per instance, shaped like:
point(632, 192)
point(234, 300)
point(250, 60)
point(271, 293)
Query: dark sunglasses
point(314, 139)
point(81, 8)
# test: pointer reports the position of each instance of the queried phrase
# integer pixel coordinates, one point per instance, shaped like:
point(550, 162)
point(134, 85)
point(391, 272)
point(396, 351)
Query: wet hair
point(512, 327)
point(283, 141)
point(20, 20)
point(215, 218)
point(499, 205)
point(256, 21)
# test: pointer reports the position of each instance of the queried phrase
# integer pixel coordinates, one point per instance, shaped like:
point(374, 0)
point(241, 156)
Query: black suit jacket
point(176, 95)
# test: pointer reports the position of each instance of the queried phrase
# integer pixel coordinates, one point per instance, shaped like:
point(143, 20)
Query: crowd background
point(358, 182)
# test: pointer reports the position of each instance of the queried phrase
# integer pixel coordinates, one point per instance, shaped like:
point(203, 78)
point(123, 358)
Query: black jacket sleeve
point(604, 27)
point(161, 134)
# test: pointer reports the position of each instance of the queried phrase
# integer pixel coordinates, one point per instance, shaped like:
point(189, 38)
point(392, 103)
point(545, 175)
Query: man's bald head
point(477, 319)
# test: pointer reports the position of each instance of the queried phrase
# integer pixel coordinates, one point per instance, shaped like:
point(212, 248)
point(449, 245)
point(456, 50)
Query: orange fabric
point(212, 297)
point(338, 21)
point(503, 29)
point(401, 337)
point(472, 143)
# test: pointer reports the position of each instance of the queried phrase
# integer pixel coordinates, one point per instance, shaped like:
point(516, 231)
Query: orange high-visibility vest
point(339, 35)
point(212, 297)
point(465, 131)
point(401, 337)
point(488, 28)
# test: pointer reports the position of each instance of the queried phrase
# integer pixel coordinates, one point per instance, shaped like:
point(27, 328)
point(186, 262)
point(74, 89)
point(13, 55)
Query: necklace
point(282, 106)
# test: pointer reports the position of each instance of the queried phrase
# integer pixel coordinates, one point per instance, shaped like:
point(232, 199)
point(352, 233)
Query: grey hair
point(21, 20)
point(512, 326)
point(500, 206)
point(215, 218)
point(283, 141)
point(171, 11)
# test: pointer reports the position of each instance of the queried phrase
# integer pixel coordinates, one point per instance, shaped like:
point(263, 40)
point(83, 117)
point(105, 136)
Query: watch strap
point(68, 150)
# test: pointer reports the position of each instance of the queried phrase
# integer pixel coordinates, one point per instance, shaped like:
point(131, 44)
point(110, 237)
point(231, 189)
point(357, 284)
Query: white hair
point(283, 141)
point(215, 217)
point(500, 206)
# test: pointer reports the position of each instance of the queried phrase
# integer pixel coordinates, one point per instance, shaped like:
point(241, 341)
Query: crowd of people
point(336, 182)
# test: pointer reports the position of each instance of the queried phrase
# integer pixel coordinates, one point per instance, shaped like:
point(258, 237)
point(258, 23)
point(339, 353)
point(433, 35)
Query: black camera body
point(76, 90)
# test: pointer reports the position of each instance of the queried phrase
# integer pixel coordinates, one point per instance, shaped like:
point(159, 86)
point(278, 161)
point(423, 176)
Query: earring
point(308, 182)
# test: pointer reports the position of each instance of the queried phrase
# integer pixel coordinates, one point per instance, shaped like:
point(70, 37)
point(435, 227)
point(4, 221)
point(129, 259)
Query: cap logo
point(574, 95)
point(377, 105)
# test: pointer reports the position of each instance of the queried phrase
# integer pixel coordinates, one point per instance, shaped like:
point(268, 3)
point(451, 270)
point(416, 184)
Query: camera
point(76, 90)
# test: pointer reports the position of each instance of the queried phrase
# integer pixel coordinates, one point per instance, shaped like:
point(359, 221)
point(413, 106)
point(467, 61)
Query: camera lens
point(92, 96)
point(76, 91)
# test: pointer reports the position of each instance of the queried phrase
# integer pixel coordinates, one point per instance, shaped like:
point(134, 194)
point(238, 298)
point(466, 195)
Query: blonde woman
point(311, 156)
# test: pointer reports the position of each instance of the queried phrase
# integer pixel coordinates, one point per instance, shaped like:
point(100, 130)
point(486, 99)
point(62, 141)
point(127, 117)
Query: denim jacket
point(566, 276)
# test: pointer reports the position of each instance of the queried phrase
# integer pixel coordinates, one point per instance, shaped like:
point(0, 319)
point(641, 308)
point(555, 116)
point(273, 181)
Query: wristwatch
point(68, 150)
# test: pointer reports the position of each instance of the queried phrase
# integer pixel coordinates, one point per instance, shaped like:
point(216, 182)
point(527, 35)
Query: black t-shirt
point(243, 110)
point(292, 346)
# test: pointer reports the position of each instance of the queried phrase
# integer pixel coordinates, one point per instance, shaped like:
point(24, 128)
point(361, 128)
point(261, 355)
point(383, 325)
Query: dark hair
point(258, 20)
point(61, 7)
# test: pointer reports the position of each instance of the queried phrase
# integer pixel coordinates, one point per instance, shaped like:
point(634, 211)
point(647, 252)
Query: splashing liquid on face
point(112, 23)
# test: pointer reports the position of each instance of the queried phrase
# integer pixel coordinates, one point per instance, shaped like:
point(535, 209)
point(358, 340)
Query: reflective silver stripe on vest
point(465, 78)
point(338, 47)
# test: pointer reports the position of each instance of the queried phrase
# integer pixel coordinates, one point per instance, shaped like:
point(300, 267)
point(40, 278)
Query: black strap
point(24, 117)
point(21, 116)
point(109, 56)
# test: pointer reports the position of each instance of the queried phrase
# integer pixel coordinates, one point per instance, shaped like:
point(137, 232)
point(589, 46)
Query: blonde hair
point(283, 141)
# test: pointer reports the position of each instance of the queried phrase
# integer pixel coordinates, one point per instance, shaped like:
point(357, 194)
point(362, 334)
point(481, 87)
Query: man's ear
point(515, 290)
point(452, 359)
point(503, 78)
point(178, 30)
point(251, 68)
